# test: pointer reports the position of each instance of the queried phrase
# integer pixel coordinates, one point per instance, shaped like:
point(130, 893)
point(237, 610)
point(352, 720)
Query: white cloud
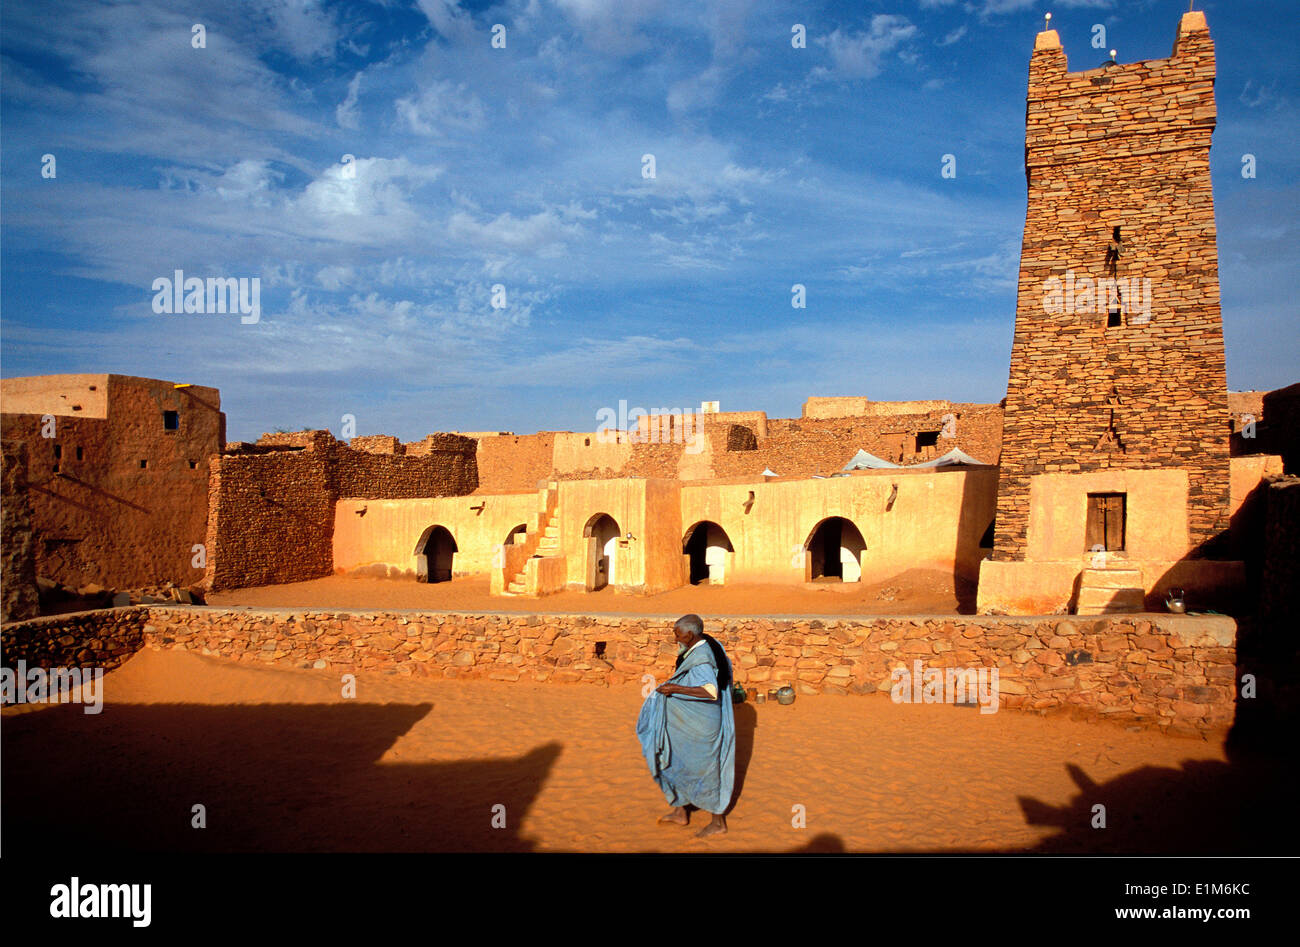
point(300, 26)
point(952, 37)
point(859, 55)
point(541, 233)
point(374, 187)
point(440, 107)
point(346, 113)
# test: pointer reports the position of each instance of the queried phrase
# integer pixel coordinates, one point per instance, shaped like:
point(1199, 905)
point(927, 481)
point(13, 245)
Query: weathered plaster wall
point(1157, 541)
point(935, 521)
point(118, 499)
point(17, 542)
point(382, 541)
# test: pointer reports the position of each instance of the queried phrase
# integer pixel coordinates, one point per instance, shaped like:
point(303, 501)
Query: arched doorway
point(834, 551)
point(516, 535)
point(433, 555)
point(602, 534)
point(707, 545)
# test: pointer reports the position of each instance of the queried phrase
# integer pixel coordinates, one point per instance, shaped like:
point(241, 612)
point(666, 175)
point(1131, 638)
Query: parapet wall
point(271, 505)
point(1175, 673)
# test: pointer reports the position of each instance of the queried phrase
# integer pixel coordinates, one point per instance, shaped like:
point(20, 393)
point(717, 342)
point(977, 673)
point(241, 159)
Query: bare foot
point(713, 828)
point(677, 816)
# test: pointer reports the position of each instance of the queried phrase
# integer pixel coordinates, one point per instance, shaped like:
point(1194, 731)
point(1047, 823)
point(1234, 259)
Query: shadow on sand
point(281, 778)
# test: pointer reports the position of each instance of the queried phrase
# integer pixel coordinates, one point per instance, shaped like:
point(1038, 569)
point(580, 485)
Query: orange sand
point(917, 592)
point(283, 763)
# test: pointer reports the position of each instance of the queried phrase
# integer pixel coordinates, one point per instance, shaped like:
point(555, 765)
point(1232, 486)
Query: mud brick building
point(272, 504)
point(117, 475)
point(1115, 434)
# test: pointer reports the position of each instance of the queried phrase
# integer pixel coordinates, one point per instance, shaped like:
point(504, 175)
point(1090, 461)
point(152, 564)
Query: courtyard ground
point(282, 762)
point(916, 592)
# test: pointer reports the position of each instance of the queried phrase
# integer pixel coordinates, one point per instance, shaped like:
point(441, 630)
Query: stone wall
point(1281, 555)
point(515, 462)
point(801, 448)
point(103, 638)
point(272, 504)
point(1171, 672)
point(17, 543)
point(1119, 146)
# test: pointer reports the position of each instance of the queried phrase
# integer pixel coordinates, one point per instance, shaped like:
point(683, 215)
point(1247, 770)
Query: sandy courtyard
point(916, 592)
point(283, 763)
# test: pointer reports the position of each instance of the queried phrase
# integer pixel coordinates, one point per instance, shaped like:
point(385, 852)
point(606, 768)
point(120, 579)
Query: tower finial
point(1047, 24)
point(1112, 55)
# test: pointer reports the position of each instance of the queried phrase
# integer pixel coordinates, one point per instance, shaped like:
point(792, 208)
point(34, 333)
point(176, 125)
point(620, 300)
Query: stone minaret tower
point(1117, 364)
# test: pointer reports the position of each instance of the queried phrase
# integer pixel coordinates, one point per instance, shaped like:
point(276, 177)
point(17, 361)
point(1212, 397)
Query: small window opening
point(926, 439)
point(58, 451)
point(1114, 319)
point(600, 649)
point(144, 464)
point(78, 453)
point(171, 420)
point(586, 442)
point(194, 465)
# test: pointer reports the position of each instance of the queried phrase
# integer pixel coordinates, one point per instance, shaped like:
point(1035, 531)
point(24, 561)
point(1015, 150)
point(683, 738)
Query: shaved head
point(692, 625)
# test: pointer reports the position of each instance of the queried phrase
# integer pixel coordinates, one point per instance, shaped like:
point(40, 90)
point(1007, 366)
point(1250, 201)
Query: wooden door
point(1105, 526)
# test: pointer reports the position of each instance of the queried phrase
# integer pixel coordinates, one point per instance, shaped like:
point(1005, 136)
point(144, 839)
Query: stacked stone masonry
point(272, 504)
point(1172, 672)
point(1120, 146)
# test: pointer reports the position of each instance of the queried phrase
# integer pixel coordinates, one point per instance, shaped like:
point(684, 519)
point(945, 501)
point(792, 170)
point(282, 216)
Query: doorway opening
point(602, 535)
point(834, 551)
point(707, 545)
point(434, 554)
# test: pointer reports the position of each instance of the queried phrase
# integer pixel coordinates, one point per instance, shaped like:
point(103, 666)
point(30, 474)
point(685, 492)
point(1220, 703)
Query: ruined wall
point(1281, 555)
point(1282, 426)
point(271, 518)
point(120, 500)
point(852, 406)
point(17, 542)
point(515, 462)
point(447, 467)
point(741, 443)
point(272, 504)
point(1122, 146)
point(801, 448)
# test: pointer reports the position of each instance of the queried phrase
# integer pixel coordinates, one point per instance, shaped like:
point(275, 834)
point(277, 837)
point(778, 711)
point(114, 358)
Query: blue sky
point(476, 166)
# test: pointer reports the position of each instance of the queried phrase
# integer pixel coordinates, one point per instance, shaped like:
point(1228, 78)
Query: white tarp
point(864, 461)
point(953, 456)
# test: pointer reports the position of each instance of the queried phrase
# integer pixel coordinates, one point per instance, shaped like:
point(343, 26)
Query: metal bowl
point(785, 695)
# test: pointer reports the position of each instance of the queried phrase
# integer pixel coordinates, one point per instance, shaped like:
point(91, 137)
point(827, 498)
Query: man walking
point(687, 729)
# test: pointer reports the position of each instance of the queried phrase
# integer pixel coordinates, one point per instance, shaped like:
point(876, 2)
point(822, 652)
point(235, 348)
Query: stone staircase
point(534, 566)
point(1110, 589)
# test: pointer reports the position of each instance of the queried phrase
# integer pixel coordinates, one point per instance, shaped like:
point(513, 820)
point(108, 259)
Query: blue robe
point(690, 742)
